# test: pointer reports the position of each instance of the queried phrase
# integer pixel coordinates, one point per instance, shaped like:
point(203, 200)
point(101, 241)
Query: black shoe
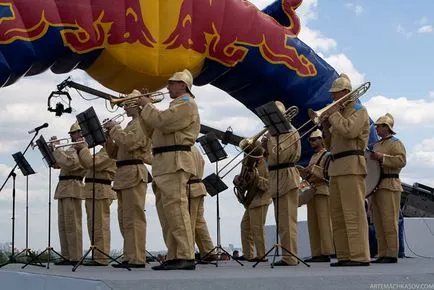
point(64, 263)
point(258, 260)
point(283, 263)
point(318, 259)
point(177, 264)
point(350, 264)
point(389, 260)
point(241, 258)
point(93, 263)
point(338, 263)
point(128, 265)
point(379, 260)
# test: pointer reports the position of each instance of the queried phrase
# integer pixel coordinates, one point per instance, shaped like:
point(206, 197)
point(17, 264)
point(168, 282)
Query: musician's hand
point(143, 101)
point(81, 145)
point(54, 141)
point(309, 169)
point(377, 156)
point(110, 124)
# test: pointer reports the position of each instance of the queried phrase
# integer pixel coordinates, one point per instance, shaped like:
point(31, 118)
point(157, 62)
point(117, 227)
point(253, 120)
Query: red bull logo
point(223, 30)
point(86, 26)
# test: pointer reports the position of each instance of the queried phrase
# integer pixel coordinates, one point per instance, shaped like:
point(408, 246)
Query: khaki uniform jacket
point(394, 160)
point(69, 165)
point(349, 131)
point(316, 178)
point(105, 168)
point(261, 186)
point(128, 144)
point(178, 125)
point(197, 189)
point(289, 178)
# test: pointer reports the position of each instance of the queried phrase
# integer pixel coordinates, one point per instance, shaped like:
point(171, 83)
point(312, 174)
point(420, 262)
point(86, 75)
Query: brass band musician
point(251, 187)
point(318, 207)
point(197, 193)
point(105, 169)
point(387, 198)
point(346, 133)
point(70, 193)
point(289, 180)
point(131, 148)
point(175, 131)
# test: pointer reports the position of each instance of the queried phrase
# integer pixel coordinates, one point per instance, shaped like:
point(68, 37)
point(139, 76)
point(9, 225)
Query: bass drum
point(373, 168)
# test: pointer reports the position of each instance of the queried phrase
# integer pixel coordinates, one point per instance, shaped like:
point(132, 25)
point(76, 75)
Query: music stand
point(48, 157)
point(26, 170)
point(213, 183)
point(277, 124)
point(94, 135)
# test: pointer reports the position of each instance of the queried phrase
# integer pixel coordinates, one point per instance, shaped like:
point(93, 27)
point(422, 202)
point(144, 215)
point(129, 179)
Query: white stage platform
point(409, 273)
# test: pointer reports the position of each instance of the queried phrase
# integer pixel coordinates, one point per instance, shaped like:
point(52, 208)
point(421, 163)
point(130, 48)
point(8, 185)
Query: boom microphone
point(45, 125)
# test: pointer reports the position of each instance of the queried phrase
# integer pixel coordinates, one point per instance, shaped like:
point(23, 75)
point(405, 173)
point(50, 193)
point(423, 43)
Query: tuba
point(244, 184)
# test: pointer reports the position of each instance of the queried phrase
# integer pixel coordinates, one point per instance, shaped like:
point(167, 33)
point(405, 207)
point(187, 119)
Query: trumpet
point(155, 96)
point(289, 114)
point(67, 139)
point(316, 116)
point(68, 144)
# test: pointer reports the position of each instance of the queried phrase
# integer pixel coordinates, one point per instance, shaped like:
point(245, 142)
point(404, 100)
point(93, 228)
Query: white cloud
point(356, 8)
point(406, 112)
point(316, 40)
point(343, 64)
point(423, 20)
point(431, 94)
point(401, 30)
point(423, 153)
point(425, 29)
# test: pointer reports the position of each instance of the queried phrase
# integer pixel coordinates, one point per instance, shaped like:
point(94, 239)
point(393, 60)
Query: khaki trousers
point(385, 206)
point(252, 232)
point(349, 221)
point(132, 222)
point(199, 227)
point(171, 190)
point(70, 228)
point(320, 225)
point(287, 217)
point(101, 227)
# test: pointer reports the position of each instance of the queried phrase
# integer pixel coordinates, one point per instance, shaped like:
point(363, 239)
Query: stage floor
point(409, 273)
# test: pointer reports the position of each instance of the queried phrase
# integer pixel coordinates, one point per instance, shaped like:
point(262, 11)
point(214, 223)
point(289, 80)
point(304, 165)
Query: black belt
point(129, 162)
point(347, 153)
point(71, 177)
point(97, 180)
point(192, 181)
point(280, 166)
point(158, 150)
point(389, 175)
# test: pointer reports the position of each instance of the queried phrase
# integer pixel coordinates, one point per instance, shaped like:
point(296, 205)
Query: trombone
point(155, 96)
point(289, 114)
point(115, 119)
point(315, 116)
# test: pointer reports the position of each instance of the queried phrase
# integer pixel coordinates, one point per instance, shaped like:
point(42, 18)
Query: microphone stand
point(12, 258)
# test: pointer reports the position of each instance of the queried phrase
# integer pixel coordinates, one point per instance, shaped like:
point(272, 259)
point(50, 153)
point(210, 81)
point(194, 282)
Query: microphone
point(45, 125)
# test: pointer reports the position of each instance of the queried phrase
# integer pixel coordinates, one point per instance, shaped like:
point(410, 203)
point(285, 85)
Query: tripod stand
point(277, 124)
point(94, 135)
point(49, 158)
point(27, 251)
point(215, 185)
point(25, 168)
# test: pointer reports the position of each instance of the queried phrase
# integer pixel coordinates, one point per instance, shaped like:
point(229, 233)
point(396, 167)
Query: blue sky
point(369, 40)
